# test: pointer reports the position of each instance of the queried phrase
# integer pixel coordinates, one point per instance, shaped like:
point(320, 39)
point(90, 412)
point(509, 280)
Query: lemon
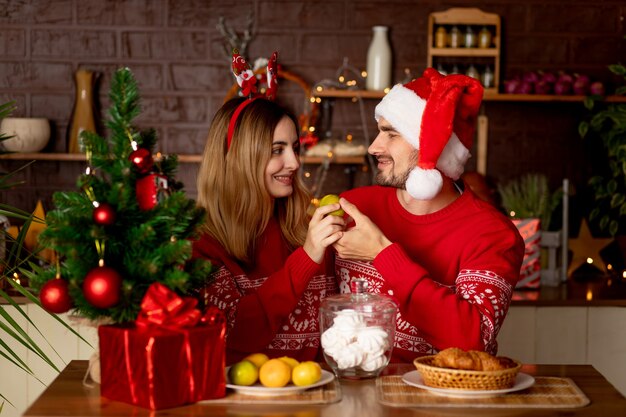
point(306, 373)
point(290, 361)
point(257, 358)
point(243, 373)
point(332, 199)
point(275, 373)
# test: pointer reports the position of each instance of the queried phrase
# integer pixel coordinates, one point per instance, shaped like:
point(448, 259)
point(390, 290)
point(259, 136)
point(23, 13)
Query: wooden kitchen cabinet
point(568, 335)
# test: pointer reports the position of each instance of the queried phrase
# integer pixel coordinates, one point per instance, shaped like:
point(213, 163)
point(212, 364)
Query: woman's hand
point(324, 230)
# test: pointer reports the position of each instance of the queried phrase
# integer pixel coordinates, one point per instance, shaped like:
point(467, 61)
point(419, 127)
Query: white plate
point(522, 381)
point(258, 389)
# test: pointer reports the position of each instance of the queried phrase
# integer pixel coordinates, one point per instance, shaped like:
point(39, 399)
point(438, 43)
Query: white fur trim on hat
point(403, 109)
point(453, 158)
point(424, 184)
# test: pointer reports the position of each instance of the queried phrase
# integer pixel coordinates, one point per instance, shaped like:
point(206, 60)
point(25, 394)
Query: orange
point(257, 358)
point(306, 373)
point(289, 361)
point(275, 373)
point(243, 373)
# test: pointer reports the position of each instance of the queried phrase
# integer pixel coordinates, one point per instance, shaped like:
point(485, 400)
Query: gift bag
point(530, 273)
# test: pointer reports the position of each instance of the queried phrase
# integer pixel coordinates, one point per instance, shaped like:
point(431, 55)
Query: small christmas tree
point(126, 228)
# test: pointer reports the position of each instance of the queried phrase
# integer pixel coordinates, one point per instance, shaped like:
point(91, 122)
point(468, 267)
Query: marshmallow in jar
point(357, 331)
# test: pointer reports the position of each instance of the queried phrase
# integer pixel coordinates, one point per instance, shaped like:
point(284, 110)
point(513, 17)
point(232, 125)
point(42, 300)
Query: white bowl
point(30, 134)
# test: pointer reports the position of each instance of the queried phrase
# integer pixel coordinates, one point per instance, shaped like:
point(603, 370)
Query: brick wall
point(177, 55)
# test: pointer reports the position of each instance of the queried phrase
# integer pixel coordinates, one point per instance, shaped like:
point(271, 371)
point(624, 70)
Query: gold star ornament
point(586, 249)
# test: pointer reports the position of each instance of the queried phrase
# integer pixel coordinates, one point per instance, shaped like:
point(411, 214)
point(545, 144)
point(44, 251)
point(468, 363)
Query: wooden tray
point(547, 392)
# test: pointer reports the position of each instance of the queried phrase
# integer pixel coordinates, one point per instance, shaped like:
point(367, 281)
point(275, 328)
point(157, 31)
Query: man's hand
point(364, 241)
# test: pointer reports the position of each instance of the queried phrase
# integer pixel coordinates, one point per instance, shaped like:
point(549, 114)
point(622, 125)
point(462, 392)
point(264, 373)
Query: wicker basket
point(435, 376)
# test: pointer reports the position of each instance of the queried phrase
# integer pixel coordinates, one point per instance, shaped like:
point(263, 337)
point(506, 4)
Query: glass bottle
point(484, 38)
point(379, 60)
point(357, 331)
point(472, 72)
point(470, 37)
point(83, 113)
point(487, 77)
point(455, 37)
point(441, 37)
point(441, 69)
point(455, 69)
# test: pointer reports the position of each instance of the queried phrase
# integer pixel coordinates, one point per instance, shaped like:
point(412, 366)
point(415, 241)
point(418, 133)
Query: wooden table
point(67, 396)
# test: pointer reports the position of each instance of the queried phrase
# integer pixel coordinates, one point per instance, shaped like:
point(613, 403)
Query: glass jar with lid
point(357, 331)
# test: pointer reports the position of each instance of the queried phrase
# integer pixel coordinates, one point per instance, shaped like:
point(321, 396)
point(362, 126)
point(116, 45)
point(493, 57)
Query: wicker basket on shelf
point(438, 377)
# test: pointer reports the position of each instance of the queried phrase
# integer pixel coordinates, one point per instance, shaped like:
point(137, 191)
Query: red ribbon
point(162, 307)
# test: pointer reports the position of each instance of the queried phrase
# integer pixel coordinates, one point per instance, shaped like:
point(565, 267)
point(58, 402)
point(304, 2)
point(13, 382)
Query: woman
point(269, 263)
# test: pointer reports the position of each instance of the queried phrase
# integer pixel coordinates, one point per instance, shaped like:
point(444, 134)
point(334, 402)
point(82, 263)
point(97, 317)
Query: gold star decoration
point(586, 247)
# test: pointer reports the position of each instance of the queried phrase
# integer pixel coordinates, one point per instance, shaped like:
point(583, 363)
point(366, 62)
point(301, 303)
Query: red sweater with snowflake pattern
point(273, 306)
point(452, 272)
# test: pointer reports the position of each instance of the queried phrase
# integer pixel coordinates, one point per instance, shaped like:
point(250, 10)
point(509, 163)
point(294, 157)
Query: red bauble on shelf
point(102, 287)
point(55, 296)
point(104, 214)
point(142, 160)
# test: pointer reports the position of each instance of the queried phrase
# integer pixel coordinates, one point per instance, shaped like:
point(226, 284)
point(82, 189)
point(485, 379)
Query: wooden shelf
point(336, 160)
point(76, 157)
point(488, 96)
point(189, 158)
point(468, 52)
point(334, 93)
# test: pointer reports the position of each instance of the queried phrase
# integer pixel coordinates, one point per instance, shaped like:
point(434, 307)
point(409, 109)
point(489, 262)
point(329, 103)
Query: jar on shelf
point(357, 331)
point(470, 38)
point(484, 38)
point(454, 38)
point(472, 72)
point(486, 77)
point(441, 69)
point(441, 37)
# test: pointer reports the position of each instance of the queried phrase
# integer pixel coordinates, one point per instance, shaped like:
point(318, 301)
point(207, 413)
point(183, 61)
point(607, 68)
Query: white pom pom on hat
point(437, 115)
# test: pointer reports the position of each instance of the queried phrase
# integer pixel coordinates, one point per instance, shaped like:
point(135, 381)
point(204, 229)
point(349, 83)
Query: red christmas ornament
point(142, 160)
point(104, 214)
point(150, 190)
point(102, 287)
point(55, 296)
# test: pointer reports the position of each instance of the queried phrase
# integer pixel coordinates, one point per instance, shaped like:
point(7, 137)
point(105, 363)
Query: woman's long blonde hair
point(231, 184)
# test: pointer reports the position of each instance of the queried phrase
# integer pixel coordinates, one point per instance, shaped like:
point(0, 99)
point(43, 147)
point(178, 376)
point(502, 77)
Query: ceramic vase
point(83, 115)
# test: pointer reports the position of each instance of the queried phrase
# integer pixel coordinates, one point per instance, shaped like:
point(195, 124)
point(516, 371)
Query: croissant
point(472, 360)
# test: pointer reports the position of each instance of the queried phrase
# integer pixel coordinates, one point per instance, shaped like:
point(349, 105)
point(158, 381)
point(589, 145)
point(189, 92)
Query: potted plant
point(530, 204)
point(17, 260)
point(607, 125)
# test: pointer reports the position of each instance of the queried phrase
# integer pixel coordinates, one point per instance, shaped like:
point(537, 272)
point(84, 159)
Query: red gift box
point(165, 365)
point(530, 273)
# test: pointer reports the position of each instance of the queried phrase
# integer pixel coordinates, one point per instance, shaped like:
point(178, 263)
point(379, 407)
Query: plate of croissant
point(455, 372)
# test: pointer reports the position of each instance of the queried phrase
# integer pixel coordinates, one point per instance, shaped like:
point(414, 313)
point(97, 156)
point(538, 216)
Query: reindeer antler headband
point(248, 83)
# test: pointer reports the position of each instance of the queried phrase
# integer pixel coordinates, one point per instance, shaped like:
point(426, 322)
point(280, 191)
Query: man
point(449, 259)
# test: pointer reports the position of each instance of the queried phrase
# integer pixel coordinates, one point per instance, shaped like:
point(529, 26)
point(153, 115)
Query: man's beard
point(397, 180)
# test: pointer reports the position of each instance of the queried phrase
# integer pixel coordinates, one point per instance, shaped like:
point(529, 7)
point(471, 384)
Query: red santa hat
point(437, 115)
